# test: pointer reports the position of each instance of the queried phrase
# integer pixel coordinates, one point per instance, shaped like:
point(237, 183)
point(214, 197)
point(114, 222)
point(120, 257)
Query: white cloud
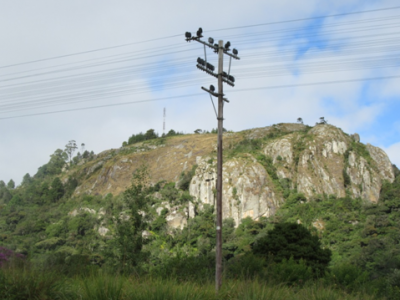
point(393, 151)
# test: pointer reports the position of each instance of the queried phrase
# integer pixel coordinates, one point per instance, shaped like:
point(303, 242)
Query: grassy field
point(26, 283)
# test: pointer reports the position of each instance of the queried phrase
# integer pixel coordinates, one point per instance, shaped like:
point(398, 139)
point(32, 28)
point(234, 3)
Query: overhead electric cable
point(107, 105)
point(307, 19)
point(213, 30)
point(89, 51)
point(198, 94)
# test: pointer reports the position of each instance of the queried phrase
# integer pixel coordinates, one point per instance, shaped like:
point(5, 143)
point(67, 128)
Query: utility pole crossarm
point(213, 93)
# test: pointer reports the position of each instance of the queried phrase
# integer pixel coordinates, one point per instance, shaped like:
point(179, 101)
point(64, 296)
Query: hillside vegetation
point(146, 212)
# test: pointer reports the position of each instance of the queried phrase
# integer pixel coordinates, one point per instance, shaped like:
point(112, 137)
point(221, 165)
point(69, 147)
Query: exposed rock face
point(382, 162)
point(356, 137)
point(177, 218)
point(314, 161)
point(247, 189)
point(103, 230)
point(366, 182)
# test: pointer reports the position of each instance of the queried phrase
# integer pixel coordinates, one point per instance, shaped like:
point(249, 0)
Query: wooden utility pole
point(218, 262)
point(227, 78)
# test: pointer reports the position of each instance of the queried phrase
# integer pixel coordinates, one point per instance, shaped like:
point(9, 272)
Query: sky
point(69, 68)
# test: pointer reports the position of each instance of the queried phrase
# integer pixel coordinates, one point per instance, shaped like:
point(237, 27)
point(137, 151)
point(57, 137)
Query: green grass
point(118, 288)
point(25, 283)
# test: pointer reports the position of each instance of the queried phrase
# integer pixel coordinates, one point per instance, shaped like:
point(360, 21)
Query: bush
point(290, 271)
point(247, 266)
point(291, 240)
point(186, 268)
point(348, 277)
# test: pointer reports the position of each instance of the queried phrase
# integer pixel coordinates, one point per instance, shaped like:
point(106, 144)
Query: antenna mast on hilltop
point(165, 113)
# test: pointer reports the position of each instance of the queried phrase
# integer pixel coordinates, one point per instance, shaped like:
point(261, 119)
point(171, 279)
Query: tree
point(171, 133)
point(129, 238)
point(288, 240)
point(198, 131)
point(5, 194)
point(11, 184)
point(150, 134)
point(300, 120)
point(86, 154)
point(70, 149)
point(27, 179)
point(57, 189)
point(54, 166)
point(2, 184)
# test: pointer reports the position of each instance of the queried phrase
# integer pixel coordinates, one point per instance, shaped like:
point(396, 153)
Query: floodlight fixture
point(199, 33)
point(212, 88)
point(227, 45)
point(188, 35)
point(210, 40)
point(235, 51)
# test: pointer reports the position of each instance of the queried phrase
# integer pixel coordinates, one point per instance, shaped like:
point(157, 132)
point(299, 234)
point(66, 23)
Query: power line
point(307, 19)
point(106, 105)
point(214, 30)
point(198, 94)
point(89, 51)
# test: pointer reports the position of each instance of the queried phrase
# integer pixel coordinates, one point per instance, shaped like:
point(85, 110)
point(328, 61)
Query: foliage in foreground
point(25, 282)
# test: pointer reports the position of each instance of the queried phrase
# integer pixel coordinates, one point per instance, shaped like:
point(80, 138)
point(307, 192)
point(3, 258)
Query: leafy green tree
point(11, 184)
point(27, 179)
point(2, 184)
point(5, 195)
point(171, 132)
point(54, 166)
point(86, 154)
point(70, 186)
point(288, 240)
point(129, 240)
point(150, 134)
point(57, 189)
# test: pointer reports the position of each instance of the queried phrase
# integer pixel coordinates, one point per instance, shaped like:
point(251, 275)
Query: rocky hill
point(260, 167)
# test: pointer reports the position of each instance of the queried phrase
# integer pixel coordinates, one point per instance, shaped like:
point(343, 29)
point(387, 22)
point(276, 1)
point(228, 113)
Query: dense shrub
point(293, 241)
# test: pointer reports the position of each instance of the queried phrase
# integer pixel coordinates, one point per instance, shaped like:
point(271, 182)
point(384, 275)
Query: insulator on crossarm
point(199, 33)
point(210, 66)
point(201, 61)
